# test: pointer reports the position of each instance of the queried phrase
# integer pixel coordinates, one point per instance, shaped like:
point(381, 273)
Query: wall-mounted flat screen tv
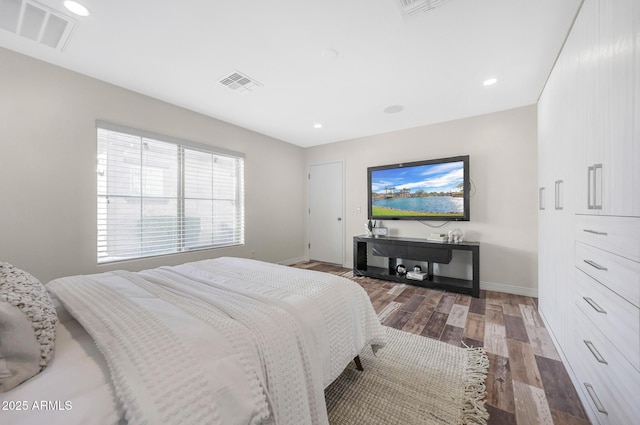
point(434, 189)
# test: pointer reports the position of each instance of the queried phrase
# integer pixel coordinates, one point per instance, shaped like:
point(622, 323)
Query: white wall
point(48, 165)
point(502, 147)
point(48, 189)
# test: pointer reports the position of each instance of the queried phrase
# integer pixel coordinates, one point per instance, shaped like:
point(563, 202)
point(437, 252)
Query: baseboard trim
point(292, 261)
point(509, 289)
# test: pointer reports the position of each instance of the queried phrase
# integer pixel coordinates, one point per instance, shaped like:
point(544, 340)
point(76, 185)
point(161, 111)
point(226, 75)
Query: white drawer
point(619, 274)
point(620, 235)
point(615, 317)
point(608, 382)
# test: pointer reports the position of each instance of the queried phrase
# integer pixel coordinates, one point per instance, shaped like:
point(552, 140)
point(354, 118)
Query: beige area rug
point(412, 380)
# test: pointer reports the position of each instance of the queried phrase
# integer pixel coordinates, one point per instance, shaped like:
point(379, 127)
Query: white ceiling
point(432, 64)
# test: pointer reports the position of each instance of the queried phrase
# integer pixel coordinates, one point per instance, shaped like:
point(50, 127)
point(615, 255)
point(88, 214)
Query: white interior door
point(326, 224)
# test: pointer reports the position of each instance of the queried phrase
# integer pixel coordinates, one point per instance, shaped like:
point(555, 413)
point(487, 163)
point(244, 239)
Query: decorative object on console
point(401, 270)
point(416, 275)
point(369, 225)
point(417, 268)
point(372, 228)
point(380, 231)
point(455, 235)
point(437, 237)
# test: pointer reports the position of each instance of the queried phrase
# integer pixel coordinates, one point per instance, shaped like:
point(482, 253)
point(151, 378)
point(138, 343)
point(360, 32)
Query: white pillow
point(27, 326)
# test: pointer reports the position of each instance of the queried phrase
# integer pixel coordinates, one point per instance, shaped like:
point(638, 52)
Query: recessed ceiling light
point(329, 54)
point(393, 109)
point(490, 81)
point(76, 8)
point(317, 125)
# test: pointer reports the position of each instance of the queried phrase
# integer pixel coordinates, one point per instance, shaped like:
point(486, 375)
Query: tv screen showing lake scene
point(430, 190)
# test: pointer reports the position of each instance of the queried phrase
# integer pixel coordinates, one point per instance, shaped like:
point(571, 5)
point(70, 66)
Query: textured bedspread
point(224, 341)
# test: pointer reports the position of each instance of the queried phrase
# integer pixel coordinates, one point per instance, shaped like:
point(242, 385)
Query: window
point(159, 195)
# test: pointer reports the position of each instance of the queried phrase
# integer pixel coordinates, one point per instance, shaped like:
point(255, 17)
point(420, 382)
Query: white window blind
point(160, 195)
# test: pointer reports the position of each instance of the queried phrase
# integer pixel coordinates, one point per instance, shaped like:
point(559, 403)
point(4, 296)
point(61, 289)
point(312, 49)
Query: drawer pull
point(595, 352)
point(595, 399)
point(595, 232)
point(594, 305)
point(595, 265)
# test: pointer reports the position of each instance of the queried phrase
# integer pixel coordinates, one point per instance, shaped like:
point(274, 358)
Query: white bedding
point(263, 339)
point(76, 380)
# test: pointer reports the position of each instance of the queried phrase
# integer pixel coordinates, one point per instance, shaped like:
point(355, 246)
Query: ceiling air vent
point(36, 22)
point(414, 7)
point(239, 82)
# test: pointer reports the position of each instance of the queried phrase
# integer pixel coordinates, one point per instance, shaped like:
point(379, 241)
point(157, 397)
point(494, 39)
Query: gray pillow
point(27, 326)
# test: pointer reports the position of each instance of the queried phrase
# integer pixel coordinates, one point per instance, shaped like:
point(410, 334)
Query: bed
point(223, 341)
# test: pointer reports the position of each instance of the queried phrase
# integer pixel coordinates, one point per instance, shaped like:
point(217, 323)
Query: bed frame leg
point(358, 363)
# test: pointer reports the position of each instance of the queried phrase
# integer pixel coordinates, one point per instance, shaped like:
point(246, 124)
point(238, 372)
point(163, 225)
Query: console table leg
point(475, 292)
point(393, 262)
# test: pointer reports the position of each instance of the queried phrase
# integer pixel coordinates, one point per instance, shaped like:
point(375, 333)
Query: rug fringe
point(474, 412)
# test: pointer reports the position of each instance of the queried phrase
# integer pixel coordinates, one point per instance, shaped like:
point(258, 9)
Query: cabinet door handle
point(595, 232)
point(594, 351)
point(597, 186)
point(594, 305)
point(541, 198)
point(595, 399)
point(595, 265)
point(590, 180)
point(559, 194)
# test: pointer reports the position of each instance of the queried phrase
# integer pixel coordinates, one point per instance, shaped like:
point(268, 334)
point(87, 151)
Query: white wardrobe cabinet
point(589, 212)
point(608, 159)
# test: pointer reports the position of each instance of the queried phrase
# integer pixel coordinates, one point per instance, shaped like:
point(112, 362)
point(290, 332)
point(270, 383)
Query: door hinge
point(309, 245)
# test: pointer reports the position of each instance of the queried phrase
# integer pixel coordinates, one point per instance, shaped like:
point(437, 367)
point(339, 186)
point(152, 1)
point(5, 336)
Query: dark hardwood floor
point(527, 383)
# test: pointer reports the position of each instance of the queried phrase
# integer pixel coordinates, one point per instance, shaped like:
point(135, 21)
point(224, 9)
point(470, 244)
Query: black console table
point(417, 250)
